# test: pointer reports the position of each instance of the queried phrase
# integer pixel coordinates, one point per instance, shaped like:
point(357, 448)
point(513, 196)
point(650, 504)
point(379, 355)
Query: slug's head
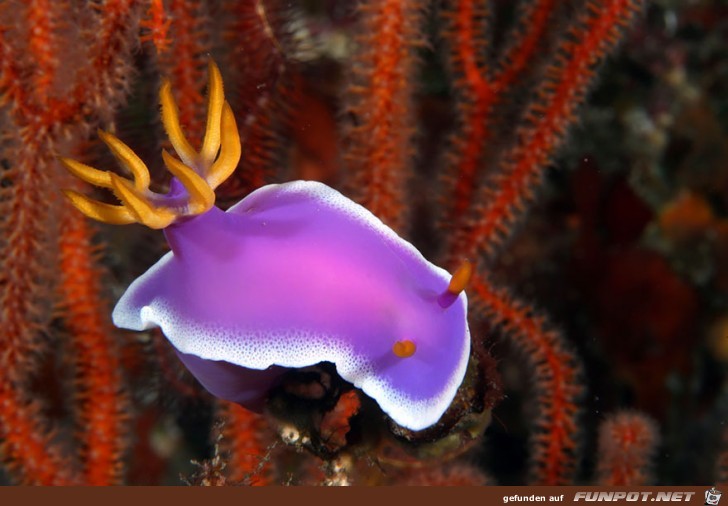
point(197, 173)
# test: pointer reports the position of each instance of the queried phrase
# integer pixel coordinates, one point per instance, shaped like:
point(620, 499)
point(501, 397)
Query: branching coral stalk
point(25, 276)
point(27, 444)
point(186, 62)
point(259, 42)
point(546, 121)
point(102, 406)
point(28, 200)
point(41, 45)
point(627, 443)
point(465, 32)
point(499, 202)
point(23, 295)
point(27, 439)
point(556, 380)
point(525, 41)
point(379, 100)
point(245, 441)
point(480, 89)
point(157, 24)
point(24, 299)
point(102, 82)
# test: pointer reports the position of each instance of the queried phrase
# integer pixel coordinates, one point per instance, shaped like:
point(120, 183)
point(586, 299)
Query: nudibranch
point(293, 275)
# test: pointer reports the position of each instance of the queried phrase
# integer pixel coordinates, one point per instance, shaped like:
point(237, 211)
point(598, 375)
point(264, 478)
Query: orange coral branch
point(157, 25)
point(245, 441)
point(99, 85)
point(525, 42)
point(479, 93)
point(13, 91)
point(26, 444)
point(258, 39)
point(547, 119)
point(555, 370)
point(102, 406)
point(24, 307)
point(475, 102)
point(28, 278)
point(380, 99)
point(186, 64)
point(24, 272)
point(103, 82)
point(335, 424)
point(41, 46)
point(627, 443)
point(26, 205)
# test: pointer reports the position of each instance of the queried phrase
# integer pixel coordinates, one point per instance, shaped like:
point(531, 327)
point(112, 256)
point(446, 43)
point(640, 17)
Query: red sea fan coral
point(515, 75)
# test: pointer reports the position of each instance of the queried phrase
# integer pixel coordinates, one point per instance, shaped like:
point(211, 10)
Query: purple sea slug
point(293, 275)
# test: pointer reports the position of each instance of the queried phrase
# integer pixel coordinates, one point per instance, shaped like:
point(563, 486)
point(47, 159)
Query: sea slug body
point(293, 275)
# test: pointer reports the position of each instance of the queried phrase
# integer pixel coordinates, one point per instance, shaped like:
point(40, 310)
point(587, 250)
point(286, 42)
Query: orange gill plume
point(199, 172)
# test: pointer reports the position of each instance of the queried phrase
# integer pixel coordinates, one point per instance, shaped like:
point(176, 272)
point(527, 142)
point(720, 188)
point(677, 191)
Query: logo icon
point(712, 496)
